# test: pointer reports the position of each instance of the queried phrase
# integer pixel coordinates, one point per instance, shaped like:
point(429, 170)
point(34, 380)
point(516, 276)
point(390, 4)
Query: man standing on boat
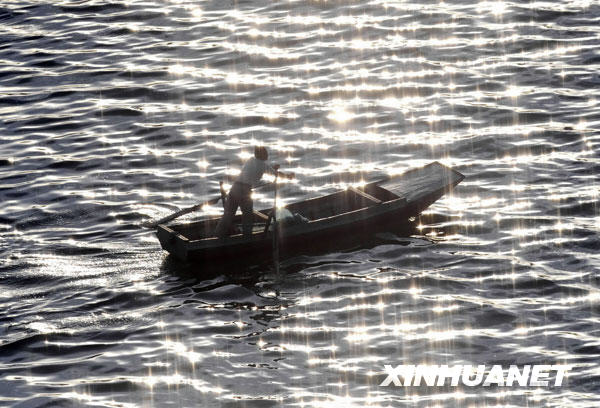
point(240, 193)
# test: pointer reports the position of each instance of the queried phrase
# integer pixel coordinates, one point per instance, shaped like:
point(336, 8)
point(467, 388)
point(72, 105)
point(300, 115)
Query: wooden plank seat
point(369, 197)
point(261, 216)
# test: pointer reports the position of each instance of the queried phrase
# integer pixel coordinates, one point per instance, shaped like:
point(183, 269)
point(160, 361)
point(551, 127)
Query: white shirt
point(253, 171)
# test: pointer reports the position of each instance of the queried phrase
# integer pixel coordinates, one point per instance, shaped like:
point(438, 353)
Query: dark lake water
point(117, 113)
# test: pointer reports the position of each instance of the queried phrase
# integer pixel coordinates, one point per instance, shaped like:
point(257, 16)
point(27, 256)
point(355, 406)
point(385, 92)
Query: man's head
point(260, 152)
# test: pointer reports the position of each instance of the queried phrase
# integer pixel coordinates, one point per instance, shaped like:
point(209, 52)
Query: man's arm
point(274, 170)
point(288, 176)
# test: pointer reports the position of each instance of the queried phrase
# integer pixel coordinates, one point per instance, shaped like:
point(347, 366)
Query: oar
point(223, 194)
point(275, 229)
point(154, 224)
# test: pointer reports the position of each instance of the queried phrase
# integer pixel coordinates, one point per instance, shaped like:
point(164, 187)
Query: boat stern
point(172, 242)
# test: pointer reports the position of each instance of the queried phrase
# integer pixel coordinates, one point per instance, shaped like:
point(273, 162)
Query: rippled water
point(117, 113)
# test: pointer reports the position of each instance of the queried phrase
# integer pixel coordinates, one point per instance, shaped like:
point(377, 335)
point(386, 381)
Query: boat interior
point(313, 209)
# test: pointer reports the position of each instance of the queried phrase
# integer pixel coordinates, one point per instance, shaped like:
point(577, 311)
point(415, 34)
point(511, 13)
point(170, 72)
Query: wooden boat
point(376, 206)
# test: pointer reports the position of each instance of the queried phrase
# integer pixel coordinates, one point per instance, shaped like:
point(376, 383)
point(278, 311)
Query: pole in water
point(275, 229)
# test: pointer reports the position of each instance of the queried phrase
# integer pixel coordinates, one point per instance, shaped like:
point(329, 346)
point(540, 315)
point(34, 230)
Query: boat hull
point(407, 196)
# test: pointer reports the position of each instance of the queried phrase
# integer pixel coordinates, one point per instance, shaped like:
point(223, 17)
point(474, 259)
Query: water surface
point(116, 113)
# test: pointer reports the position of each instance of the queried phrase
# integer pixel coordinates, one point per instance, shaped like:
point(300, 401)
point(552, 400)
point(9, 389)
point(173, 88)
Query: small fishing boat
point(377, 206)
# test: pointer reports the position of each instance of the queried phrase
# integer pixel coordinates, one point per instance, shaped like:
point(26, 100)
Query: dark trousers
point(239, 196)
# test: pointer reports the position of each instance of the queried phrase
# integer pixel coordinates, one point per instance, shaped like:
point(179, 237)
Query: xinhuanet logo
point(538, 375)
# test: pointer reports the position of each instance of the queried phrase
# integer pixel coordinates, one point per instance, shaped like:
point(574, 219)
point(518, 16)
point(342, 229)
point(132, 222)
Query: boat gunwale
point(256, 237)
point(174, 232)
